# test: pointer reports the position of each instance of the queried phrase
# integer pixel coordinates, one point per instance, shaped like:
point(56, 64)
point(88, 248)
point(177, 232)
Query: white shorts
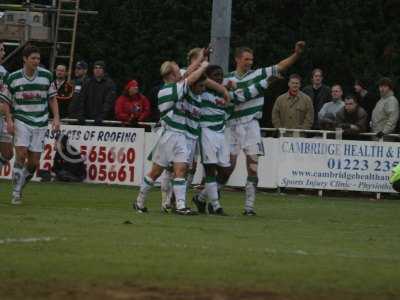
point(5, 137)
point(29, 137)
point(214, 148)
point(246, 137)
point(172, 147)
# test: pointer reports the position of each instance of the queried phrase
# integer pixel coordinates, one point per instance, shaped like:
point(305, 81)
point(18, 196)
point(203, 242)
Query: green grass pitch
point(71, 241)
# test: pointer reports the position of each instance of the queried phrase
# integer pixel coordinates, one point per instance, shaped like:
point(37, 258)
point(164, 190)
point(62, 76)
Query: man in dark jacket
point(367, 98)
point(97, 97)
point(80, 79)
point(352, 118)
point(318, 92)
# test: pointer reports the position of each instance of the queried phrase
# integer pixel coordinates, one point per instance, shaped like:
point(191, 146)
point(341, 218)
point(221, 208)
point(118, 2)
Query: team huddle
point(25, 96)
point(202, 110)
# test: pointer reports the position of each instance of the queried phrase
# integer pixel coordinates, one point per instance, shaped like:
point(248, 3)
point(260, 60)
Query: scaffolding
point(55, 24)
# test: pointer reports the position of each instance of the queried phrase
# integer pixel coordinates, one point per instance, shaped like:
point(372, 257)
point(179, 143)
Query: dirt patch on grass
point(127, 291)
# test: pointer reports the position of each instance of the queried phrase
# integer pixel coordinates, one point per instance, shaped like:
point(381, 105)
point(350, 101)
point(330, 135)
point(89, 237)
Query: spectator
point(132, 107)
point(327, 114)
point(386, 112)
point(294, 109)
point(367, 98)
point(352, 118)
point(80, 79)
point(97, 97)
point(64, 90)
point(68, 163)
point(318, 92)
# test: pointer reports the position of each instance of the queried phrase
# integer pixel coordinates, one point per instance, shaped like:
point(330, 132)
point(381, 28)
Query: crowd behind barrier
point(366, 107)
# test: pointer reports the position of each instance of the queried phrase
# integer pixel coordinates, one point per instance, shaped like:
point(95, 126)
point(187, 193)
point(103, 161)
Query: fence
point(117, 155)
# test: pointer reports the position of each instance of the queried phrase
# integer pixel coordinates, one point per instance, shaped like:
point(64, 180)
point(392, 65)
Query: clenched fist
point(300, 46)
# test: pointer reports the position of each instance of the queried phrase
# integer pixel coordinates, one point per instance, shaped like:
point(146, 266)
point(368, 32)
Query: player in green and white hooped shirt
point(29, 91)
point(243, 125)
point(195, 57)
point(213, 147)
point(6, 148)
point(179, 108)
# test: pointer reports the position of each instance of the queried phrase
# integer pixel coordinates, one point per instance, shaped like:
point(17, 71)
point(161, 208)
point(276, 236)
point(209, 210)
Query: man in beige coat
point(386, 112)
point(294, 109)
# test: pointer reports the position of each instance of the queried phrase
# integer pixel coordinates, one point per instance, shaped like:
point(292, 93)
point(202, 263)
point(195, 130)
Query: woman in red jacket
point(132, 107)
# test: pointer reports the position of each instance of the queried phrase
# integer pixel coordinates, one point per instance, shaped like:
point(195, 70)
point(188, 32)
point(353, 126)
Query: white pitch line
point(342, 255)
point(27, 240)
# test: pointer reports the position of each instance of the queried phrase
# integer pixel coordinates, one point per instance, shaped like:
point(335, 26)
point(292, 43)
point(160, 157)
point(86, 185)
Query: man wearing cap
point(132, 107)
point(386, 112)
point(97, 97)
point(80, 79)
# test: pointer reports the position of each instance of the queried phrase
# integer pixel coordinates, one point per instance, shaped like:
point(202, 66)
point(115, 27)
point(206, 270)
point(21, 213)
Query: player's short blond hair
point(195, 52)
point(167, 68)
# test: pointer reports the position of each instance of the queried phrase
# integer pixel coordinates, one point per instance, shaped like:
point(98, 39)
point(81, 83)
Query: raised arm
point(287, 62)
point(195, 64)
point(194, 76)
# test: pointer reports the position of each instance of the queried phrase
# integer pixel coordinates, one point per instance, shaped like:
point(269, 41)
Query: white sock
point(251, 187)
point(179, 186)
point(18, 178)
point(212, 192)
point(145, 187)
point(166, 188)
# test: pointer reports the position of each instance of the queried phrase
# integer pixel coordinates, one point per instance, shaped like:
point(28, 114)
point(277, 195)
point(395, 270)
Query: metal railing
point(324, 133)
point(152, 125)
